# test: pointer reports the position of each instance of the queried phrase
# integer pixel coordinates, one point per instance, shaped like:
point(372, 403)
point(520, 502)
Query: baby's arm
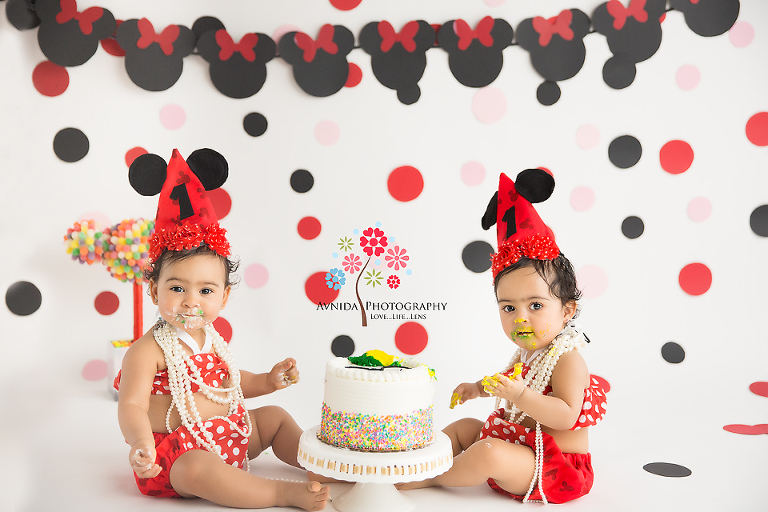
point(282, 375)
point(559, 411)
point(138, 372)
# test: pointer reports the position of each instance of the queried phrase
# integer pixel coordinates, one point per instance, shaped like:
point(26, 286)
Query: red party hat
point(520, 231)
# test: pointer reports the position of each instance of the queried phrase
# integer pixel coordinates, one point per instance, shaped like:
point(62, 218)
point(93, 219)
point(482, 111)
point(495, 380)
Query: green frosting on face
point(366, 360)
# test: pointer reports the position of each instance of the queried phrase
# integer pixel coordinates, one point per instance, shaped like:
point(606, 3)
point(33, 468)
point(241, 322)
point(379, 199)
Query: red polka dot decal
point(749, 430)
point(309, 228)
point(132, 154)
point(317, 291)
point(106, 303)
point(695, 279)
point(110, 43)
point(405, 183)
point(759, 388)
point(355, 75)
point(345, 5)
point(411, 338)
point(221, 201)
point(224, 328)
point(676, 156)
point(757, 129)
point(50, 79)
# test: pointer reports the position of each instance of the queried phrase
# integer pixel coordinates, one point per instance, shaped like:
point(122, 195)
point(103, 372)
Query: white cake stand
point(375, 474)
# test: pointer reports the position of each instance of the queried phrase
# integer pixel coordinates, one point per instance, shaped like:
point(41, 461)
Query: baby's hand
point(142, 460)
point(463, 392)
point(504, 387)
point(284, 374)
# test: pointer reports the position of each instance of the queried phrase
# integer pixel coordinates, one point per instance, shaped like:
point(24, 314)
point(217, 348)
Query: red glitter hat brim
point(189, 236)
point(536, 247)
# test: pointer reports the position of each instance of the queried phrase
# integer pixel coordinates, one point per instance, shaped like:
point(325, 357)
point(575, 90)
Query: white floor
point(79, 464)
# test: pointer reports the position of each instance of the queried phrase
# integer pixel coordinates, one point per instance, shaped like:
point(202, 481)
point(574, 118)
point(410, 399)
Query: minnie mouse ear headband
point(185, 216)
point(520, 230)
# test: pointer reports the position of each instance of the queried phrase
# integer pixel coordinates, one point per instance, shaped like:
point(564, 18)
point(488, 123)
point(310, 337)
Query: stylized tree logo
point(373, 244)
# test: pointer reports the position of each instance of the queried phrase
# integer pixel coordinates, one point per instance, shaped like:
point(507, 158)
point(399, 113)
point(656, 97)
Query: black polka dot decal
point(23, 298)
point(548, 93)
point(667, 469)
point(632, 227)
point(758, 221)
point(625, 151)
point(672, 352)
point(20, 15)
point(342, 346)
point(255, 124)
point(302, 181)
point(477, 256)
point(70, 145)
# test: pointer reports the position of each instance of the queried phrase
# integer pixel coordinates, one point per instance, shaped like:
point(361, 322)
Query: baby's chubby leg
point(199, 473)
point(273, 426)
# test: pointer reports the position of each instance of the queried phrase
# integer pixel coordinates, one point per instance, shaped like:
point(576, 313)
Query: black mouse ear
point(489, 218)
point(147, 174)
point(536, 185)
point(210, 167)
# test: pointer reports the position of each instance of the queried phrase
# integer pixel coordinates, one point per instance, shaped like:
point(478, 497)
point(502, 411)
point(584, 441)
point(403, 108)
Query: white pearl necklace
point(537, 379)
point(180, 365)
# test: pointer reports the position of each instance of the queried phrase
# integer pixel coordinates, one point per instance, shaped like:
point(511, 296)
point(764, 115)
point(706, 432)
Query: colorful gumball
point(80, 242)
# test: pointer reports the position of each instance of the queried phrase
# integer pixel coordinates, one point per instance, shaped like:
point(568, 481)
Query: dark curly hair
point(557, 273)
point(152, 270)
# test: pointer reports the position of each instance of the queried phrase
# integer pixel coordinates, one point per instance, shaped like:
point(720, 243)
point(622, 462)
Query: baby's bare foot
point(417, 485)
point(306, 495)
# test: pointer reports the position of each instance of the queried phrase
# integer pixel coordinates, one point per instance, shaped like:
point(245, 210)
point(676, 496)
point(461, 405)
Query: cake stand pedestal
point(375, 474)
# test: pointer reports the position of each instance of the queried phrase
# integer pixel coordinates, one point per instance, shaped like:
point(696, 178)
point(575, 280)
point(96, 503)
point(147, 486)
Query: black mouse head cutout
point(320, 65)
point(398, 59)
point(519, 229)
point(69, 37)
point(185, 215)
point(475, 55)
point(708, 17)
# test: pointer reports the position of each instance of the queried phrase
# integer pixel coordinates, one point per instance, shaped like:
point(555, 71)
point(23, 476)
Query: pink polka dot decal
point(355, 75)
point(327, 133)
point(592, 280)
point(687, 77)
point(106, 303)
point(582, 199)
point(676, 156)
point(256, 275)
point(472, 173)
point(411, 338)
point(749, 430)
point(489, 105)
point(132, 154)
point(172, 117)
point(282, 30)
point(695, 279)
point(50, 79)
point(405, 183)
point(224, 328)
point(494, 3)
point(94, 370)
point(757, 129)
point(741, 34)
point(345, 5)
point(309, 228)
point(699, 209)
point(759, 388)
point(221, 201)
point(587, 136)
point(317, 291)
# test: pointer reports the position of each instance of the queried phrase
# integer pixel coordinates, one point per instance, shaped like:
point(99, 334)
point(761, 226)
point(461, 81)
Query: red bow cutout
point(324, 42)
point(482, 33)
point(620, 13)
point(165, 38)
point(228, 46)
point(389, 37)
point(85, 19)
point(560, 25)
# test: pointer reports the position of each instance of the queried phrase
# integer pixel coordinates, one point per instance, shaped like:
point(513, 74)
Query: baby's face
point(191, 292)
point(530, 315)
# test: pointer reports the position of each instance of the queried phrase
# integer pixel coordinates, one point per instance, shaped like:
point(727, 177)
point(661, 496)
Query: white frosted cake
point(377, 408)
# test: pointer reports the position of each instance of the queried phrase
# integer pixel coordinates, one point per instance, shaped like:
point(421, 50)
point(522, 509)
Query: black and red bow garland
point(154, 58)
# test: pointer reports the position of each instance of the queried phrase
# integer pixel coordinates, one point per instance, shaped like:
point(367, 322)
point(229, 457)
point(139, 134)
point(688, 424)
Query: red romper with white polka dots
point(565, 476)
point(169, 447)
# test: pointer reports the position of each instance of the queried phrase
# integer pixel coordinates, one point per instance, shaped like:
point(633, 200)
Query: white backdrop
point(59, 427)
